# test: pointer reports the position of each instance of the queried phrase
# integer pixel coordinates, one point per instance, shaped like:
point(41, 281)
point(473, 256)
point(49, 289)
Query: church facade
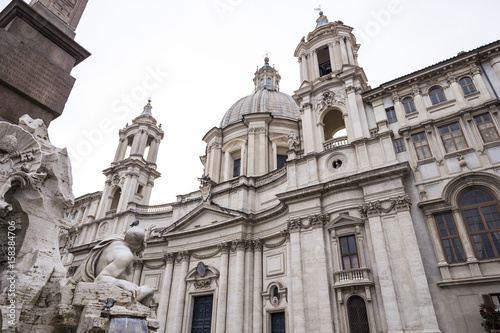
point(342, 208)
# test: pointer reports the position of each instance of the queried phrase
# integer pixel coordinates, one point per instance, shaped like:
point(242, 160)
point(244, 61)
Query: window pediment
point(344, 222)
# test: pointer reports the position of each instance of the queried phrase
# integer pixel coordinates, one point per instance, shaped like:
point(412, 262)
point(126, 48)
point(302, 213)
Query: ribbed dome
point(263, 100)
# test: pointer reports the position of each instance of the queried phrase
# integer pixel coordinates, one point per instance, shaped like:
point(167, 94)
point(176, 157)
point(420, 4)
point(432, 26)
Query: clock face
point(103, 229)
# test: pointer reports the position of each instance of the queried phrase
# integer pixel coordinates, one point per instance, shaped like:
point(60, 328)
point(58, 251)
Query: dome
point(266, 98)
point(263, 100)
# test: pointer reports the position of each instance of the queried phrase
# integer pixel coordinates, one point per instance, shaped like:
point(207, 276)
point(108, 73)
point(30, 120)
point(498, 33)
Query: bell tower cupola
point(130, 179)
point(331, 83)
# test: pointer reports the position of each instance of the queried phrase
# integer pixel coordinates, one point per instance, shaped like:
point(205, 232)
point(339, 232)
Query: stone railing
point(335, 142)
point(143, 209)
point(351, 276)
point(270, 177)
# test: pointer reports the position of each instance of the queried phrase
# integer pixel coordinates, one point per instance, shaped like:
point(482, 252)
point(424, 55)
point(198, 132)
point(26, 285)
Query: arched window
point(467, 85)
point(436, 95)
point(482, 217)
point(262, 83)
point(334, 125)
point(358, 317)
point(116, 199)
point(75, 214)
point(409, 105)
point(269, 83)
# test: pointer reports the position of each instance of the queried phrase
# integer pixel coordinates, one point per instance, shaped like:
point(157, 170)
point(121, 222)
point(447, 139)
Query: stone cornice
point(459, 61)
point(348, 181)
point(18, 8)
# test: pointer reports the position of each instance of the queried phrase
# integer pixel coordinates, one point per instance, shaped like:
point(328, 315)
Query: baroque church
point(340, 208)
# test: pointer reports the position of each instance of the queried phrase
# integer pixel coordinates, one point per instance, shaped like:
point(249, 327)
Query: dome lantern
point(266, 77)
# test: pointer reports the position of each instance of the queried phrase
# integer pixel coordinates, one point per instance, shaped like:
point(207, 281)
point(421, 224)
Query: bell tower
point(133, 171)
point(331, 85)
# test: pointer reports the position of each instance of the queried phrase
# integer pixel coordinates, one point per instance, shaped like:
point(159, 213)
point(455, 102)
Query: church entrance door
point(202, 314)
point(278, 322)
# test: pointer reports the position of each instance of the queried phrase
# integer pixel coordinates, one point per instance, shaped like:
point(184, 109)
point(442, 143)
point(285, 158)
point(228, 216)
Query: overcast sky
point(196, 58)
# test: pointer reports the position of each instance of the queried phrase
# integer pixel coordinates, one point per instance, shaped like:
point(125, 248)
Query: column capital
point(138, 264)
point(258, 244)
point(224, 247)
point(239, 244)
point(169, 258)
point(183, 256)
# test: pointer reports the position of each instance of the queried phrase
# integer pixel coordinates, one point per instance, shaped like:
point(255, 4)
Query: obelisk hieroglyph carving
point(69, 11)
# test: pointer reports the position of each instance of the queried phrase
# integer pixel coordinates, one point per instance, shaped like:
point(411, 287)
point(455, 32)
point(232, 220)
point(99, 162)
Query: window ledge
point(492, 144)
point(426, 160)
point(473, 95)
point(461, 151)
point(468, 281)
point(440, 106)
point(411, 115)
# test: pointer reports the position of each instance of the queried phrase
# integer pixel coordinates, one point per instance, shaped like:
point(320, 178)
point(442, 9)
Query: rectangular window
point(349, 252)
point(281, 160)
point(486, 127)
point(236, 167)
point(399, 145)
point(421, 146)
point(453, 137)
point(391, 115)
point(325, 66)
point(449, 238)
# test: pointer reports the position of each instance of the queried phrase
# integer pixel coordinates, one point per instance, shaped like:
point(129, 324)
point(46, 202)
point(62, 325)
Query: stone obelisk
point(37, 54)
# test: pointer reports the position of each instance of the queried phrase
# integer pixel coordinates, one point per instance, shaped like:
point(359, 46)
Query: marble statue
point(111, 262)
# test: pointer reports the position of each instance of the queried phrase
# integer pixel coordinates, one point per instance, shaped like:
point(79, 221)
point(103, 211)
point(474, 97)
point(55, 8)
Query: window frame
point(396, 147)
point(453, 246)
point(391, 115)
point(410, 102)
point(487, 231)
point(467, 85)
point(487, 129)
point(420, 148)
point(437, 92)
point(453, 137)
point(350, 254)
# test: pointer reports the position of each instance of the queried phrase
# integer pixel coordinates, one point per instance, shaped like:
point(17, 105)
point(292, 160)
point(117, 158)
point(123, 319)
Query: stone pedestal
point(124, 313)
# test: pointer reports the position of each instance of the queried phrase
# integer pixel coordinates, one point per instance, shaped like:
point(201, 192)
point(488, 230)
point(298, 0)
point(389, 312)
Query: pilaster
point(181, 292)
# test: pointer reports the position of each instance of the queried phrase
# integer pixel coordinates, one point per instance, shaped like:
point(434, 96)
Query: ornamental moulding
point(375, 208)
point(318, 220)
point(327, 99)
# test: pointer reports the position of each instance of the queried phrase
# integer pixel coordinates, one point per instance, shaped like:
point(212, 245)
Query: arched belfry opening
point(334, 125)
point(116, 198)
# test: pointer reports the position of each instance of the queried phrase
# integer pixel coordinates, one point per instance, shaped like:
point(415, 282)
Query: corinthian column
point(181, 292)
point(298, 316)
point(220, 325)
point(137, 272)
point(257, 288)
point(247, 305)
point(239, 290)
point(165, 291)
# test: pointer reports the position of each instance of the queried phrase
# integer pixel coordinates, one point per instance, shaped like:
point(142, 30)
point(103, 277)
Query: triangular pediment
point(203, 216)
point(343, 221)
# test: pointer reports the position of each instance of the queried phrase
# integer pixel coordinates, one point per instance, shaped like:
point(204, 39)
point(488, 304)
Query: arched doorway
point(358, 317)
